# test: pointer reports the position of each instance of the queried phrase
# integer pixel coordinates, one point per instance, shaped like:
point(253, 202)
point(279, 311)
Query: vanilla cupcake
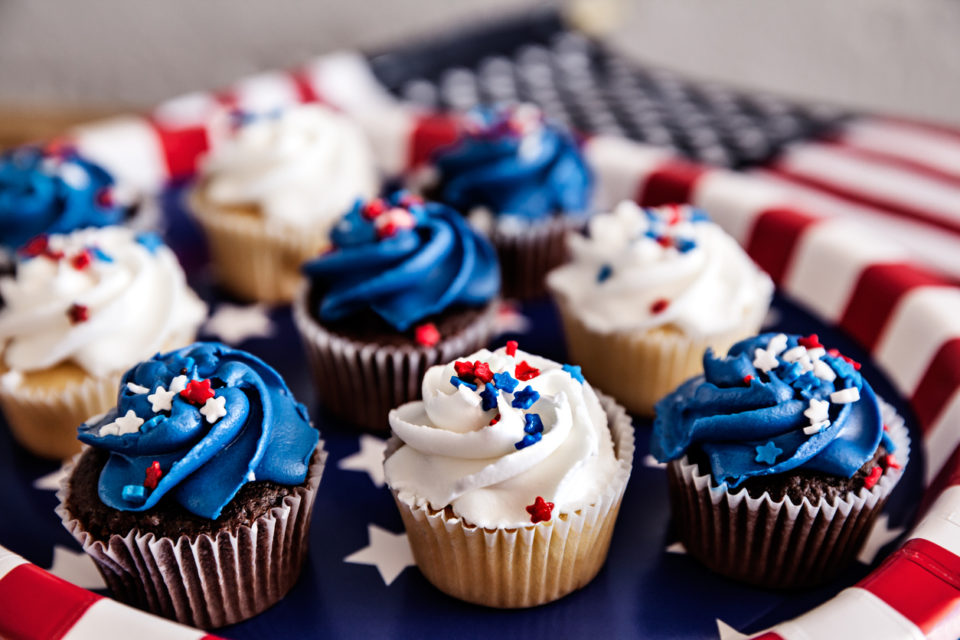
point(270, 191)
point(647, 292)
point(509, 476)
point(79, 310)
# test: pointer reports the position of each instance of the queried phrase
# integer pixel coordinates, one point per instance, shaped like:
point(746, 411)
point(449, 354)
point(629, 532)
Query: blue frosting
point(740, 422)
point(409, 260)
point(52, 192)
point(531, 174)
point(265, 434)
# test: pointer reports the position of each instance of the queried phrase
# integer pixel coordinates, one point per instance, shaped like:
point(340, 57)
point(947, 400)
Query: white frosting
point(303, 168)
point(135, 304)
point(452, 456)
point(709, 289)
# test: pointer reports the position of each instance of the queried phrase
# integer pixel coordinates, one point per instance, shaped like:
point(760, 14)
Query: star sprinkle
point(795, 354)
point(525, 372)
point(540, 510)
point(374, 209)
point(765, 360)
point(82, 260)
point(214, 409)
point(836, 354)
point(525, 398)
point(574, 371)
point(505, 382)
point(891, 461)
point(873, 478)
point(133, 387)
point(459, 382)
point(427, 335)
point(511, 348)
point(152, 475)
point(129, 423)
point(811, 341)
point(604, 273)
point(489, 396)
point(162, 399)
point(845, 396)
point(659, 306)
point(767, 453)
point(528, 440)
point(37, 246)
point(394, 221)
point(78, 313)
point(747, 379)
point(818, 413)
point(149, 240)
point(824, 371)
point(197, 392)
point(777, 344)
point(532, 423)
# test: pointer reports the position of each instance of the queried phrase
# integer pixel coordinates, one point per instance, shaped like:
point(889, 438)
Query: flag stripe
point(45, 606)
point(775, 235)
point(671, 183)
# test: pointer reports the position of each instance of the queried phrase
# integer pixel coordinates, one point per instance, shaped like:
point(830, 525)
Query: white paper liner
point(528, 254)
point(778, 543)
point(205, 581)
point(361, 382)
point(526, 566)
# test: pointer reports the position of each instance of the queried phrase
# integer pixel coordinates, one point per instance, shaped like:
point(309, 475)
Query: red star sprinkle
point(836, 354)
point(524, 371)
point(873, 477)
point(464, 368)
point(747, 379)
point(511, 347)
point(481, 371)
point(35, 247)
point(540, 510)
point(374, 208)
point(427, 334)
point(78, 313)
point(495, 420)
point(659, 306)
point(812, 341)
point(105, 198)
point(665, 242)
point(153, 474)
point(82, 260)
point(886, 428)
point(395, 220)
point(197, 392)
point(892, 461)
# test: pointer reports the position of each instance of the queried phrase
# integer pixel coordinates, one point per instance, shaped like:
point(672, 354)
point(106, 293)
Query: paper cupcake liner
point(526, 566)
point(527, 255)
point(206, 581)
point(640, 368)
point(777, 543)
point(361, 382)
point(253, 259)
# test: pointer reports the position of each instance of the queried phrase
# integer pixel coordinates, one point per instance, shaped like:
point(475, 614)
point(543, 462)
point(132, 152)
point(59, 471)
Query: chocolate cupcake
point(195, 494)
point(407, 285)
point(524, 182)
point(780, 458)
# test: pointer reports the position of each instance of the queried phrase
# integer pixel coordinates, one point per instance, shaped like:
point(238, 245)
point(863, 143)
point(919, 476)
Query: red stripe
point(226, 98)
point(671, 183)
point(769, 635)
point(429, 134)
point(938, 384)
point(848, 148)
point(303, 84)
point(182, 146)
point(774, 237)
point(921, 580)
point(40, 605)
point(928, 127)
point(878, 290)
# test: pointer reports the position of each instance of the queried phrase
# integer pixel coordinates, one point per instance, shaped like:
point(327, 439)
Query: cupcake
point(524, 182)
point(509, 476)
point(647, 291)
point(195, 493)
point(407, 285)
point(79, 310)
point(780, 458)
point(270, 191)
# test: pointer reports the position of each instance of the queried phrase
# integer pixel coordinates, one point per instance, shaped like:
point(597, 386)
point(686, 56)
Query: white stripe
point(941, 524)
point(922, 321)
point(852, 613)
point(8, 561)
point(904, 141)
point(942, 438)
point(189, 110)
point(878, 180)
point(266, 92)
point(107, 619)
point(128, 147)
point(619, 167)
point(734, 201)
point(826, 264)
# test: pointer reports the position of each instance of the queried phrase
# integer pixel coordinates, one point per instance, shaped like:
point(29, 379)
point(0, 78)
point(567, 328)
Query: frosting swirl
point(197, 424)
point(497, 430)
point(101, 298)
point(302, 167)
point(644, 268)
point(406, 260)
point(773, 404)
point(510, 161)
point(52, 191)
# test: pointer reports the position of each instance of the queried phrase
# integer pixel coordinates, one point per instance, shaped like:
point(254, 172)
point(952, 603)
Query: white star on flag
point(234, 324)
point(49, 482)
point(76, 567)
point(368, 459)
point(677, 548)
point(726, 632)
point(128, 423)
point(389, 552)
point(653, 463)
point(880, 536)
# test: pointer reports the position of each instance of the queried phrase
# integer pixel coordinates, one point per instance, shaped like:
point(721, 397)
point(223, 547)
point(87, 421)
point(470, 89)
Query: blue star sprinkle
point(525, 398)
point(684, 244)
point(505, 382)
point(604, 273)
point(100, 255)
point(489, 396)
point(574, 371)
point(457, 382)
point(149, 240)
point(532, 423)
point(767, 454)
point(529, 439)
point(790, 372)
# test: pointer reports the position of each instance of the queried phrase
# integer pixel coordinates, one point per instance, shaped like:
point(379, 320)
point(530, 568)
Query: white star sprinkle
point(824, 371)
point(368, 459)
point(818, 411)
point(765, 360)
point(794, 354)
point(162, 399)
point(234, 324)
point(129, 423)
point(137, 389)
point(389, 552)
point(777, 344)
point(816, 353)
point(816, 428)
point(845, 396)
point(214, 408)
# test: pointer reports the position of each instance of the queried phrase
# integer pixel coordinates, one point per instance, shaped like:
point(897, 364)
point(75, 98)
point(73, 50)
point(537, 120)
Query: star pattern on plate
point(676, 548)
point(76, 567)
point(653, 463)
point(368, 459)
point(234, 324)
point(389, 552)
point(509, 319)
point(49, 482)
point(880, 536)
point(726, 632)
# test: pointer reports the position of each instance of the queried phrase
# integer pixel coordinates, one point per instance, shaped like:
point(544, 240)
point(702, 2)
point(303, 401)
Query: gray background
point(896, 56)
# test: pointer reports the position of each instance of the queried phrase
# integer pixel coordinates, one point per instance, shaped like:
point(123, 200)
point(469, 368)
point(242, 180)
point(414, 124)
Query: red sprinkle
point(747, 379)
point(674, 214)
point(105, 198)
point(892, 461)
point(873, 478)
point(659, 306)
point(153, 474)
point(36, 247)
point(540, 510)
point(409, 200)
point(427, 334)
point(511, 347)
point(374, 208)
point(836, 354)
point(812, 341)
point(464, 368)
point(525, 372)
point(481, 371)
point(78, 313)
point(886, 428)
point(82, 260)
point(197, 392)
point(665, 242)
point(495, 420)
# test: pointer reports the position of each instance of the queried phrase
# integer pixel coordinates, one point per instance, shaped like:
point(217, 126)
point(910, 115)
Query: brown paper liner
point(526, 256)
point(251, 258)
point(207, 581)
point(778, 543)
point(527, 566)
point(361, 382)
point(640, 368)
